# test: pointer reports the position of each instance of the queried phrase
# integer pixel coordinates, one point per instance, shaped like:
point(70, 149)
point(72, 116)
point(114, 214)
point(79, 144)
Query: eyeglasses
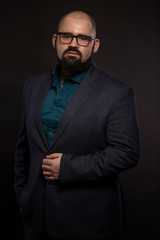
point(82, 40)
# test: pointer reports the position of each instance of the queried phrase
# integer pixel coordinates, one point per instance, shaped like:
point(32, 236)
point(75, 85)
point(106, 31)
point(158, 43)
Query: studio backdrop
point(129, 50)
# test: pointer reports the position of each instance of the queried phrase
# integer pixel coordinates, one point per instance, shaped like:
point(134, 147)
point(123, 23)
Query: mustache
point(73, 49)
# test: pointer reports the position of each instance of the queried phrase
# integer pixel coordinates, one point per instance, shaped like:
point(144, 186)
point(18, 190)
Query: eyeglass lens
point(81, 40)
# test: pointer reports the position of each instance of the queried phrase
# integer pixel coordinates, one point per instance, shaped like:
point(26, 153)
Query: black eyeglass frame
point(76, 36)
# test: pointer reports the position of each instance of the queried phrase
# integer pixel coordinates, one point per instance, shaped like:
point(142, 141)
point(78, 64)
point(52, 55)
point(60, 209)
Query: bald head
point(81, 16)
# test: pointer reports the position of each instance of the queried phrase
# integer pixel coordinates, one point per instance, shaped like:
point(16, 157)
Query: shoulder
point(108, 79)
point(110, 86)
point(39, 77)
point(35, 83)
point(109, 82)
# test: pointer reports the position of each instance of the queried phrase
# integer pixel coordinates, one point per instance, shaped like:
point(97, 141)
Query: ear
point(54, 40)
point(96, 45)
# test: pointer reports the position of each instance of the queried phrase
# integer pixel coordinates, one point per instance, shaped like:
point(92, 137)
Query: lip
point(72, 53)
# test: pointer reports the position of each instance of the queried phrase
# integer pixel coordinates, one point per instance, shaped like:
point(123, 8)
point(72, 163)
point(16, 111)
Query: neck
point(64, 75)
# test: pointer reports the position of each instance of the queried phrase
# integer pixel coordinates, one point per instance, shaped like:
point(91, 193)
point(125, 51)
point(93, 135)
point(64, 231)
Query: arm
point(122, 145)
point(21, 155)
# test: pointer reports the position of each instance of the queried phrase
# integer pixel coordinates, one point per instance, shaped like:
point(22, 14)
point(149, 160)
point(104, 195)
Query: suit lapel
point(82, 93)
point(46, 83)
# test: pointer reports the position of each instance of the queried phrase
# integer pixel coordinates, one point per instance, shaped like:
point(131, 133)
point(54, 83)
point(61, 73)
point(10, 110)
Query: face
point(74, 53)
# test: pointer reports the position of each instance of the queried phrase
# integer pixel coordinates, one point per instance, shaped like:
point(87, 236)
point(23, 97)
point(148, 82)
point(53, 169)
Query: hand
point(51, 166)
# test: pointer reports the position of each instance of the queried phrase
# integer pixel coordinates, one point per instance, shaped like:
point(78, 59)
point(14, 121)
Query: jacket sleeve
point(21, 154)
point(122, 145)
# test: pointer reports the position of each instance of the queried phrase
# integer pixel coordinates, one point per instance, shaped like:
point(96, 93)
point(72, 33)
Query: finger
point(47, 162)
point(53, 155)
point(46, 167)
point(47, 174)
point(51, 178)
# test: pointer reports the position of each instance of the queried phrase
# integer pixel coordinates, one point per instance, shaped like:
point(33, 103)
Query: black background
point(129, 34)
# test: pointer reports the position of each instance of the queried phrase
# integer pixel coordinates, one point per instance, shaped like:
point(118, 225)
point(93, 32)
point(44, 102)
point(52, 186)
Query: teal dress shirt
point(56, 100)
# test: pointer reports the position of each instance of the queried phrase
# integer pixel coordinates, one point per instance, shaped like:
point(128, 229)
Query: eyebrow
point(80, 34)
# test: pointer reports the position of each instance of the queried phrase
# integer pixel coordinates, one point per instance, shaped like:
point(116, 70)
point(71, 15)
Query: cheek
point(86, 54)
point(60, 51)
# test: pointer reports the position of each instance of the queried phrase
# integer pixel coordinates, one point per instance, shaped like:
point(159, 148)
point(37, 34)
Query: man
point(79, 131)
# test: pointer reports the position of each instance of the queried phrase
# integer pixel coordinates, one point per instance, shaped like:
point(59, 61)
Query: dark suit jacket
point(98, 135)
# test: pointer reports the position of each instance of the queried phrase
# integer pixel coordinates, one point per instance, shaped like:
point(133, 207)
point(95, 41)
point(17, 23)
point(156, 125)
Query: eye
point(83, 38)
point(66, 36)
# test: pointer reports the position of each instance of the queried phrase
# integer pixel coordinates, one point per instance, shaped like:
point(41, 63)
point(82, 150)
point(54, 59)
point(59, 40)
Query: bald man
point(78, 132)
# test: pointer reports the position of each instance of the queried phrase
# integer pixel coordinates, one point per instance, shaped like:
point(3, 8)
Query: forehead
point(76, 25)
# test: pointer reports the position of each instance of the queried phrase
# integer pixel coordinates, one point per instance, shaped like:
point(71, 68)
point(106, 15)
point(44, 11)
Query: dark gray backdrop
point(129, 34)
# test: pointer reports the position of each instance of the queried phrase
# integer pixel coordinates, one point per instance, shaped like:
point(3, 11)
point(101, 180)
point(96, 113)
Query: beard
point(71, 65)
